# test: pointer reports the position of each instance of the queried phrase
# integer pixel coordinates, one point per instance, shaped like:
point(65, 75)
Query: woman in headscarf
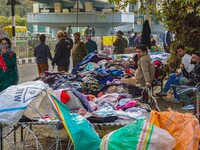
point(8, 65)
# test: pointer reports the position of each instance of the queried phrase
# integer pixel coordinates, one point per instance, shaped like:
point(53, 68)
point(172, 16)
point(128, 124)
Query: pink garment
point(130, 104)
point(111, 98)
point(93, 105)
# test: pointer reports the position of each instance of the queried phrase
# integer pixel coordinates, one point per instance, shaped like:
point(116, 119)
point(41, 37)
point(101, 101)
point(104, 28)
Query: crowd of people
point(65, 47)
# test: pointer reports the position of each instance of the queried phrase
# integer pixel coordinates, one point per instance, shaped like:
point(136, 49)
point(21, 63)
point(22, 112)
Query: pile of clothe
point(101, 88)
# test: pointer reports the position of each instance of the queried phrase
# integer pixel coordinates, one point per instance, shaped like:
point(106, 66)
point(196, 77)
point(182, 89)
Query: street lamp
point(78, 6)
point(13, 3)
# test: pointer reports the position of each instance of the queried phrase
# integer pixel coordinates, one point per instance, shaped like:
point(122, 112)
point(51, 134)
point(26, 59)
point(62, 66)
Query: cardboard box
point(89, 6)
point(65, 10)
point(36, 8)
point(57, 7)
point(44, 10)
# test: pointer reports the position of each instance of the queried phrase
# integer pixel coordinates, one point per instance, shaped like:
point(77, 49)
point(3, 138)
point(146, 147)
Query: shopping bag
point(139, 135)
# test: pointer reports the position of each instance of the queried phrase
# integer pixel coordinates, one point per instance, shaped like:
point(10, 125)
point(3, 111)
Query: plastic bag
point(15, 100)
point(80, 131)
point(139, 135)
point(184, 127)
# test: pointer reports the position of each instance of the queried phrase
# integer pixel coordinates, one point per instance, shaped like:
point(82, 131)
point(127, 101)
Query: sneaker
point(188, 107)
point(174, 100)
point(161, 93)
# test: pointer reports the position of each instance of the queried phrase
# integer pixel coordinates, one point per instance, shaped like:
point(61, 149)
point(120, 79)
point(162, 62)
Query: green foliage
point(5, 21)
point(181, 17)
point(21, 10)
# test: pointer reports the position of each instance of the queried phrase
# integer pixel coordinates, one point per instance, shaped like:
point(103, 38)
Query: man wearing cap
point(79, 49)
point(91, 45)
point(185, 94)
point(120, 43)
point(62, 53)
point(146, 69)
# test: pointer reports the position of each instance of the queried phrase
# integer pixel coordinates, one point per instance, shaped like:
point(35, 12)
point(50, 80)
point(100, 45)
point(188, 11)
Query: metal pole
point(1, 136)
point(77, 2)
point(13, 21)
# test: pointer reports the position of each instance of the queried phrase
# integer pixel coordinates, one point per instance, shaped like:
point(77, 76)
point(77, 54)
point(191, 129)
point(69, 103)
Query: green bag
point(139, 135)
point(80, 131)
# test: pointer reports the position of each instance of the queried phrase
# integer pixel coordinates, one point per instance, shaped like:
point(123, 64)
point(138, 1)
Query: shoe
point(161, 93)
point(188, 107)
point(174, 100)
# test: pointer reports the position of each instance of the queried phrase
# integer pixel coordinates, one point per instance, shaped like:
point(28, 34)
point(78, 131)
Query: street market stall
point(101, 91)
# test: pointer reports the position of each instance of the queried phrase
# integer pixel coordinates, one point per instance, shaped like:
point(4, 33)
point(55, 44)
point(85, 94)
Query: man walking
point(69, 47)
point(79, 49)
point(62, 53)
point(91, 45)
point(174, 78)
point(146, 69)
point(42, 53)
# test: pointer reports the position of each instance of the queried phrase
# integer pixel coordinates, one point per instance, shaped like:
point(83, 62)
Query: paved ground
point(27, 72)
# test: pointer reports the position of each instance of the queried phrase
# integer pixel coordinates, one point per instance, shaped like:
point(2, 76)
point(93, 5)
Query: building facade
point(59, 14)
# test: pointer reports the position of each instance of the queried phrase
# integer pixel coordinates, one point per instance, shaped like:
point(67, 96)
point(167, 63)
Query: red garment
point(3, 65)
point(64, 97)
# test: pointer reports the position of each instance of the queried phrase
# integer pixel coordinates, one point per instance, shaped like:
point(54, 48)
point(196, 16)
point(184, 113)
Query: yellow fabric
point(18, 29)
point(183, 127)
point(108, 40)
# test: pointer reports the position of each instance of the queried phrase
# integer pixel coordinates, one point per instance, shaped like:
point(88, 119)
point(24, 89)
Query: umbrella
point(146, 31)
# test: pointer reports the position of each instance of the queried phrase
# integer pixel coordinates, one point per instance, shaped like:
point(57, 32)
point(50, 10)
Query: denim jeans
point(173, 79)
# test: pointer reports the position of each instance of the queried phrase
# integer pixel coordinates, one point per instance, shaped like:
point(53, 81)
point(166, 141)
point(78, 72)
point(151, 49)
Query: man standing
point(194, 79)
point(91, 45)
point(62, 53)
point(69, 47)
point(79, 50)
point(137, 40)
point(93, 31)
point(146, 69)
point(87, 31)
point(69, 31)
point(120, 43)
point(42, 53)
point(174, 78)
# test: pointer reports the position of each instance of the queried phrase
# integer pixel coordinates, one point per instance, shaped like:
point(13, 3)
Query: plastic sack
point(80, 131)
point(15, 100)
point(139, 135)
point(183, 127)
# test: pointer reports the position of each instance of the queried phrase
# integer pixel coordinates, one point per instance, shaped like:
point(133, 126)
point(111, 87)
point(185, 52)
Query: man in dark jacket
point(185, 94)
point(120, 43)
point(91, 45)
point(62, 53)
point(69, 47)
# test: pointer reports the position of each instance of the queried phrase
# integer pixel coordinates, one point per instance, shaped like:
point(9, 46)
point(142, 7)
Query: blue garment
point(42, 53)
point(173, 79)
point(92, 57)
point(109, 78)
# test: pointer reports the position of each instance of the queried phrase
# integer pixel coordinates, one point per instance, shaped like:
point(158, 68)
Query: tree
point(182, 17)
point(5, 21)
point(21, 10)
